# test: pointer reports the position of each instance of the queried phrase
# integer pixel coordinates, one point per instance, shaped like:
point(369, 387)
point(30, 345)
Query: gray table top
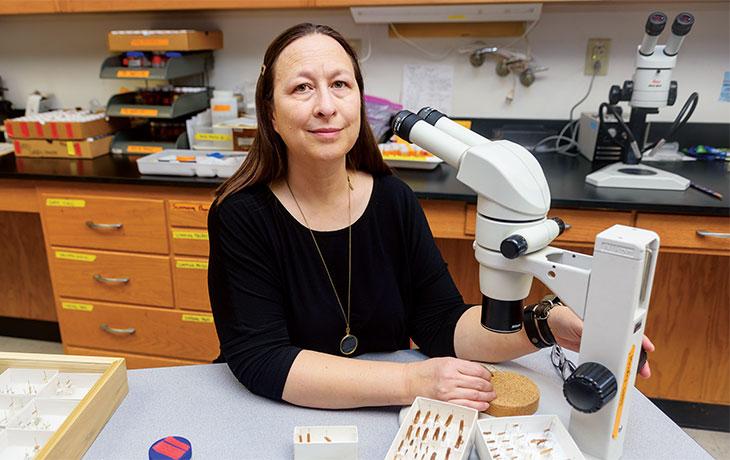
point(209, 407)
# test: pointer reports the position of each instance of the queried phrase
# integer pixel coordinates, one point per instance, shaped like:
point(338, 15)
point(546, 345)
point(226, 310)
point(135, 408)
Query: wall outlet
point(597, 51)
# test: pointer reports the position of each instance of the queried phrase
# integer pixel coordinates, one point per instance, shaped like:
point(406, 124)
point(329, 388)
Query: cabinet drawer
point(190, 279)
point(585, 225)
point(105, 223)
point(681, 231)
point(133, 278)
point(133, 361)
point(188, 213)
point(156, 331)
point(189, 241)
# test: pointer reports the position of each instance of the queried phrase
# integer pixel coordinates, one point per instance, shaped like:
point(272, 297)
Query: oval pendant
point(348, 344)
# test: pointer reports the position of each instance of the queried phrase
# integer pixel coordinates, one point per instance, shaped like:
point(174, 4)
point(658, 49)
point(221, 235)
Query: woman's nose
point(325, 104)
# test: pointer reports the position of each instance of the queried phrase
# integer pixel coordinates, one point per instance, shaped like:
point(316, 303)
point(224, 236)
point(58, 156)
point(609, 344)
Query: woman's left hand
point(568, 330)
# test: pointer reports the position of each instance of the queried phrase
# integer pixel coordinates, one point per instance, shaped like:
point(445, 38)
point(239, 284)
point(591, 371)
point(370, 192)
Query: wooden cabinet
point(697, 233)
point(190, 275)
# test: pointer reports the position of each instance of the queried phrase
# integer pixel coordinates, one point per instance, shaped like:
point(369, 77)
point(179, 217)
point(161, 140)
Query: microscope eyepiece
point(683, 24)
point(403, 123)
point(655, 23)
point(430, 115)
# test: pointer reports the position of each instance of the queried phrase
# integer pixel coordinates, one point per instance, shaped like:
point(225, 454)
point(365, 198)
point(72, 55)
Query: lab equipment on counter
point(223, 106)
point(650, 89)
point(178, 162)
point(609, 290)
point(402, 154)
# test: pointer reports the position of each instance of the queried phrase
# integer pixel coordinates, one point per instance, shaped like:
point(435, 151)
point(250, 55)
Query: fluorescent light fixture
point(447, 13)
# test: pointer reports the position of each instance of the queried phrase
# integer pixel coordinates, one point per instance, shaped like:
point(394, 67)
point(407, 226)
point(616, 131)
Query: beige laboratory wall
point(61, 54)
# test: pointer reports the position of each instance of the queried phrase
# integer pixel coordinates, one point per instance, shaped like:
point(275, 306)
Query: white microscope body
point(609, 290)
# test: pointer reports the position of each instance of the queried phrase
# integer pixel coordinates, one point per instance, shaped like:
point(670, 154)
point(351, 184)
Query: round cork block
point(516, 395)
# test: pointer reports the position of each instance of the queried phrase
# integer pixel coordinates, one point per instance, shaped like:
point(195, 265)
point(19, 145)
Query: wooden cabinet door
point(190, 278)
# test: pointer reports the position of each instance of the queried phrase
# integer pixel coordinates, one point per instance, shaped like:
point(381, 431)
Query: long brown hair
point(267, 160)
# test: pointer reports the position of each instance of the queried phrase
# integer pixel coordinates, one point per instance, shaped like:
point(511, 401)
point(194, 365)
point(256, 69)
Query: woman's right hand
point(452, 380)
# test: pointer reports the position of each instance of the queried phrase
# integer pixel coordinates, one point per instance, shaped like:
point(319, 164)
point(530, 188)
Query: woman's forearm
point(473, 342)
point(332, 382)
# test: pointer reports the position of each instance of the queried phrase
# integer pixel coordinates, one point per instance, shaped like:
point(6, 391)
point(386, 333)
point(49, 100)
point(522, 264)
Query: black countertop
point(566, 176)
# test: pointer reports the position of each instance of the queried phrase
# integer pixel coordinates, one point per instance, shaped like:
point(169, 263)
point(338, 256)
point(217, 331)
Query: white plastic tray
point(164, 163)
point(432, 426)
point(325, 443)
point(540, 437)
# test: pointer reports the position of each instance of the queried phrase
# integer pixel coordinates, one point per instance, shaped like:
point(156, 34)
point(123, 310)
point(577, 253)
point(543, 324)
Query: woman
point(318, 253)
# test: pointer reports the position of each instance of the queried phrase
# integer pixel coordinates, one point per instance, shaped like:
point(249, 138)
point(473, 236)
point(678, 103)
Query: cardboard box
point(57, 130)
point(80, 427)
point(188, 40)
point(47, 148)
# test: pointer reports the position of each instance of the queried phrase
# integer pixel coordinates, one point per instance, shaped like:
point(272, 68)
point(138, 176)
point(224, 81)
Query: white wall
point(62, 54)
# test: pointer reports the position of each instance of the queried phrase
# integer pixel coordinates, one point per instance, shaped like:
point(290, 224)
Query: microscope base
point(620, 175)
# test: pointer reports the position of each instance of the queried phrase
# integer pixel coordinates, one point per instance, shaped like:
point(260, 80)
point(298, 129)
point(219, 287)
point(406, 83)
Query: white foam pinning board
point(325, 443)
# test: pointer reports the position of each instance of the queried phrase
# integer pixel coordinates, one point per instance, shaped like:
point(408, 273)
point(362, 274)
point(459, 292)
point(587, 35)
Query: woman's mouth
point(326, 132)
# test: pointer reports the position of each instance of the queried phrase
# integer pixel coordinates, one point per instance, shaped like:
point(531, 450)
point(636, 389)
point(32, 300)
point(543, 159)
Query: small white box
point(523, 435)
point(10, 407)
point(437, 426)
point(43, 415)
point(22, 445)
point(325, 443)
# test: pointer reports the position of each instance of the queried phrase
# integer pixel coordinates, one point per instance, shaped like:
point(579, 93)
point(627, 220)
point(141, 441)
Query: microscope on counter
point(609, 290)
point(652, 88)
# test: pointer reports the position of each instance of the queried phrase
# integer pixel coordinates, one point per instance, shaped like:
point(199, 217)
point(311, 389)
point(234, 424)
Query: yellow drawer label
point(191, 264)
point(70, 149)
point(77, 306)
point(185, 235)
point(197, 318)
point(137, 42)
point(137, 112)
point(212, 137)
point(456, 17)
point(65, 203)
point(78, 256)
point(144, 149)
point(133, 73)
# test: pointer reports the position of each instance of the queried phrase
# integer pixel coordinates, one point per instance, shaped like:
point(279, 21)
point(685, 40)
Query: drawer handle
point(113, 330)
point(104, 279)
point(93, 225)
point(712, 234)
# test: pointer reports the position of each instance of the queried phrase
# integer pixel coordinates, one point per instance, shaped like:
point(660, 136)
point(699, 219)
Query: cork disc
point(516, 395)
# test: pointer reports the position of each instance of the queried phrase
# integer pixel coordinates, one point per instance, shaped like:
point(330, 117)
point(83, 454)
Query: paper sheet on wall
point(427, 85)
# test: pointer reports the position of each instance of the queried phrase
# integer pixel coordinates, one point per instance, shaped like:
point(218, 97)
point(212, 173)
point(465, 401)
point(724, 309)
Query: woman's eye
point(339, 84)
point(301, 88)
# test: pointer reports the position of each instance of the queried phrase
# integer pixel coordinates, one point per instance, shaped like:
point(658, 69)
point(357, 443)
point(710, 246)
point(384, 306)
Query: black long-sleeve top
point(271, 297)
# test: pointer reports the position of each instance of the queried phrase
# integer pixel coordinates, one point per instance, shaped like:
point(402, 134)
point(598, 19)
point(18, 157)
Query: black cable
point(680, 120)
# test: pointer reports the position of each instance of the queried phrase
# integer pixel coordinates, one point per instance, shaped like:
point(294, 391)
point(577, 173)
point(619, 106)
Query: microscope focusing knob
point(614, 95)
point(590, 387)
point(672, 97)
point(513, 246)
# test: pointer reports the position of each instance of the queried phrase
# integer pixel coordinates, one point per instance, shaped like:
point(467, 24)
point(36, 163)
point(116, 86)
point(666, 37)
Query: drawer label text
point(212, 137)
point(197, 318)
point(77, 306)
point(65, 203)
point(78, 256)
point(185, 235)
point(133, 73)
point(191, 264)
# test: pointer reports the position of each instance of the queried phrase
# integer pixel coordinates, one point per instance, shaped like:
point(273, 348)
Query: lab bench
point(120, 260)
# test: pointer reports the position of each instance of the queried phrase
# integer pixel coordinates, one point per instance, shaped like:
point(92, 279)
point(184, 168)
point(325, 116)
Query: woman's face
point(316, 108)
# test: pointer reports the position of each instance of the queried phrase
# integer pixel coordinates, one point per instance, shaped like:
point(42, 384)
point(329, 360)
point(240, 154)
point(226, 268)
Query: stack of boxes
point(60, 134)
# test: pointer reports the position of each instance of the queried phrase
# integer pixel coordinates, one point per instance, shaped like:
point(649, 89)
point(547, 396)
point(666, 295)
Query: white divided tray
point(69, 386)
point(33, 405)
point(434, 429)
point(165, 163)
point(325, 443)
point(25, 382)
point(43, 414)
point(533, 437)
point(21, 445)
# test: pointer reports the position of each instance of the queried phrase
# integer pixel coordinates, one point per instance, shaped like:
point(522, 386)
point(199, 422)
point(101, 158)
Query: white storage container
point(165, 163)
point(224, 106)
point(325, 443)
